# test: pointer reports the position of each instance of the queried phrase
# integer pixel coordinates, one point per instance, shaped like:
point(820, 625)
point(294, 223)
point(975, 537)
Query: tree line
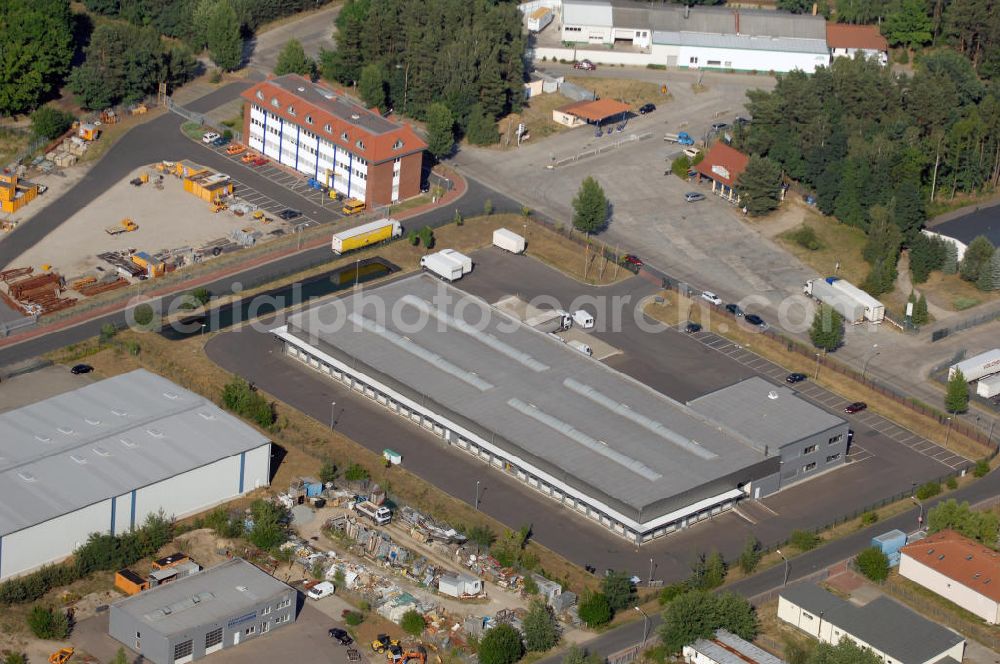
point(876, 147)
point(458, 64)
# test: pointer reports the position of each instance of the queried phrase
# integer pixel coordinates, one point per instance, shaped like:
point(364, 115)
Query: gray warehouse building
point(597, 441)
point(103, 457)
point(218, 608)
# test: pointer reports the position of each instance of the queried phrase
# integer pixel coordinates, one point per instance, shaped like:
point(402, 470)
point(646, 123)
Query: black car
point(855, 407)
point(691, 328)
point(734, 309)
point(756, 321)
point(647, 108)
point(288, 214)
point(719, 126)
point(341, 635)
point(81, 369)
point(793, 378)
point(221, 141)
point(742, 121)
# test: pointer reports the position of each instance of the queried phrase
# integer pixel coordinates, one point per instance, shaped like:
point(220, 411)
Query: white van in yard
point(583, 319)
point(321, 590)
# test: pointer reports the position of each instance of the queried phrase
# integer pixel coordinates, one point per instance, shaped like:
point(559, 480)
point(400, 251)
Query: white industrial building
point(716, 38)
point(102, 458)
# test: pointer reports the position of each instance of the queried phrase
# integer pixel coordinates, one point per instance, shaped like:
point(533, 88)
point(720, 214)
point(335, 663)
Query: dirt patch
point(633, 93)
point(537, 118)
point(839, 252)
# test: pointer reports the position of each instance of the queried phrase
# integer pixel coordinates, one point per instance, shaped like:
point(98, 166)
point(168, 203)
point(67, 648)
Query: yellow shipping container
point(365, 235)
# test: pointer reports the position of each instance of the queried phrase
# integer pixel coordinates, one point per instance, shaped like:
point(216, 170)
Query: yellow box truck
point(365, 234)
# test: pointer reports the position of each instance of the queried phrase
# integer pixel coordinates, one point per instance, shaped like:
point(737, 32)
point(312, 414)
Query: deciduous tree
point(697, 614)
point(827, 331)
point(594, 610)
point(36, 45)
point(292, 60)
point(500, 645)
point(539, 627)
point(372, 86)
point(618, 589)
point(760, 185)
point(979, 252)
point(440, 130)
point(950, 514)
point(223, 36)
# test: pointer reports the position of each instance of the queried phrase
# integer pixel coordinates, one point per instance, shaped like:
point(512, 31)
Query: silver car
point(693, 196)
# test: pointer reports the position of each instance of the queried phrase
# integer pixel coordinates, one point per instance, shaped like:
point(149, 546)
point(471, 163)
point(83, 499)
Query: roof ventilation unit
point(42, 438)
point(772, 395)
point(65, 430)
point(100, 451)
point(92, 422)
point(127, 443)
point(80, 460)
point(119, 413)
point(355, 117)
point(26, 476)
point(170, 395)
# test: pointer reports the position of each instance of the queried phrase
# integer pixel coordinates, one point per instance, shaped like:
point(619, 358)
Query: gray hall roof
point(572, 416)
point(337, 105)
point(104, 440)
point(225, 591)
point(883, 623)
point(766, 412)
point(742, 42)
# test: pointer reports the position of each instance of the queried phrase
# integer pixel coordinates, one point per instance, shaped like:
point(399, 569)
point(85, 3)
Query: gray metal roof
point(571, 415)
point(587, 12)
point(883, 623)
point(726, 648)
point(338, 105)
point(218, 593)
point(104, 440)
point(765, 412)
point(742, 42)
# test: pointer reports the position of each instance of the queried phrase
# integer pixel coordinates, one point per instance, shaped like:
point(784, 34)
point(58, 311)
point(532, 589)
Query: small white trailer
point(442, 266)
point(988, 387)
point(460, 258)
point(538, 19)
point(508, 241)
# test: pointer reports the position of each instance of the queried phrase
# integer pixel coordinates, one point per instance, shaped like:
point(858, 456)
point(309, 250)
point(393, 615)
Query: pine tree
point(956, 399)
point(590, 207)
point(371, 87)
point(950, 263)
point(979, 252)
point(994, 270)
point(440, 130)
point(222, 34)
point(293, 60)
point(920, 314)
point(759, 185)
point(827, 331)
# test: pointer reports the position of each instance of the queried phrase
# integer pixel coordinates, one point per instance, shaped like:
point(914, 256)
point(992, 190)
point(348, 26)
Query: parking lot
point(886, 460)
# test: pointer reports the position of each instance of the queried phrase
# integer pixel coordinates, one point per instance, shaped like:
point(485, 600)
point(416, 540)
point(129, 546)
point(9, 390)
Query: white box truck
point(538, 19)
point(554, 320)
point(442, 266)
point(508, 241)
point(580, 346)
point(874, 310)
point(988, 387)
point(462, 259)
point(583, 319)
point(380, 516)
point(822, 291)
point(978, 366)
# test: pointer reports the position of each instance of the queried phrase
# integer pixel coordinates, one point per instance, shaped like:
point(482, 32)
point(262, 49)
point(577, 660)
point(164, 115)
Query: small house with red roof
point(845, 40)
point(958, 568)
point(722, 166)
point(330, 137)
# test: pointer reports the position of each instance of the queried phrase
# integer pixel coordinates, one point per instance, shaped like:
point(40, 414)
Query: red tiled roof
point(326, 107)
point(723, 164)
point(961, 559)
point(596, 110)
point(843, 35)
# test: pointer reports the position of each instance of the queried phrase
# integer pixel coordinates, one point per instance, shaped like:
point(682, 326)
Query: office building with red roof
point(327, 136)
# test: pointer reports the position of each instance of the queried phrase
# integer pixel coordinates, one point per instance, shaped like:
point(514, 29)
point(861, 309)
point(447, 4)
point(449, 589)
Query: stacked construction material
point(39, 294)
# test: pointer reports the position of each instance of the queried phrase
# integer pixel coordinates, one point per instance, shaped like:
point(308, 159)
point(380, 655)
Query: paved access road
point(669, 361)
point(799, 567)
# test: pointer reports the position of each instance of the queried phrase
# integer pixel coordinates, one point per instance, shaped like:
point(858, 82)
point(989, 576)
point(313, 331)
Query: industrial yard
point(173, 226)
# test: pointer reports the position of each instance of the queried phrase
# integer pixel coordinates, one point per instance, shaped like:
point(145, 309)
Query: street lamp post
point(333, 405)
point(920, 519)
point(947, 436)
point(817, 366)
point(650, 571)
point(784, 581)
point(477, 494)
point(645, 626)
point(864, 370)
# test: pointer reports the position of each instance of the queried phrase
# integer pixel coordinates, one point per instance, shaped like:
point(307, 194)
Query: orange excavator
point(61, 656)
point(399, 655)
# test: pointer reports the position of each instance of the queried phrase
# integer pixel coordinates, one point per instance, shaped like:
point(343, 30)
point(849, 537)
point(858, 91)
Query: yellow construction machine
point(61, 656)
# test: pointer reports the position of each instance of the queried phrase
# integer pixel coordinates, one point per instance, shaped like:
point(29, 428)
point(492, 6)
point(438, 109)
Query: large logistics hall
point(569, 426)
point(103, 457)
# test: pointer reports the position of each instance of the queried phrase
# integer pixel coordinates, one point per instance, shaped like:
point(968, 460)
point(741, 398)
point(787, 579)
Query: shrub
point(803, 540)
point(354, 618)
point(594, 610)
point(670, 592)
point(48, 122)
point(981, 469)
point(143, 315)
point(216, 76)
point(530, 585)
point(412, 623)
point(108, 331)
point(488, 207)
point(356, 473)
point(805, 237)
point(869, 518)
point(928, 490)
point(244, 400)
point(951, 483)
point(873, 564)
point(48, 624)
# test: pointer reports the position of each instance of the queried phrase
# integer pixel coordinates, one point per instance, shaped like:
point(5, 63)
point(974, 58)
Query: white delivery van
point(583, 319)
point(321, 590)
point(580, 346)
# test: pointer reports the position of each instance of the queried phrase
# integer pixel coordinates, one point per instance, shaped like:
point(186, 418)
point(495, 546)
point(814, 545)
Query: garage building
point(585, 435)
point(104, 457)
point(328, 136)
point(223, 606)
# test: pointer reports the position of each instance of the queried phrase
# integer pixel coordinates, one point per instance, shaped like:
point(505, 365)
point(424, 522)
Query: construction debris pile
point(164, 570)
point(34, 294)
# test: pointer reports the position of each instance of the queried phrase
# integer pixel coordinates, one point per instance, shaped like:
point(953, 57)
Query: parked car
point(691, 153)
point(632, 259)
point(793, 378)
point(691, 328)
point(855, 407)
point(709, 296)
point(694, 196)
point(584, 64)
point(321, 590)
point(341, 635)
point(288, 214)
point(221, 141)
point(756, 321)
point(81, 369)
point(208, 137)
point(259, 161)
point(742, 121)
point(734, 309)
point(647, 108)
point(719, 126)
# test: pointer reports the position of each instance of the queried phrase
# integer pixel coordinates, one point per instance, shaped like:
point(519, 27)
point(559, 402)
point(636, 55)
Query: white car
point(691, 153)
point(709, 296)
point(321, 590)
point(209, 137)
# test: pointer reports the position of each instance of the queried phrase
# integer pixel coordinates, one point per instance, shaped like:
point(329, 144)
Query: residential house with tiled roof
point(328, 136)
point(845, 40)
point(722, 166)
point(959, 569)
